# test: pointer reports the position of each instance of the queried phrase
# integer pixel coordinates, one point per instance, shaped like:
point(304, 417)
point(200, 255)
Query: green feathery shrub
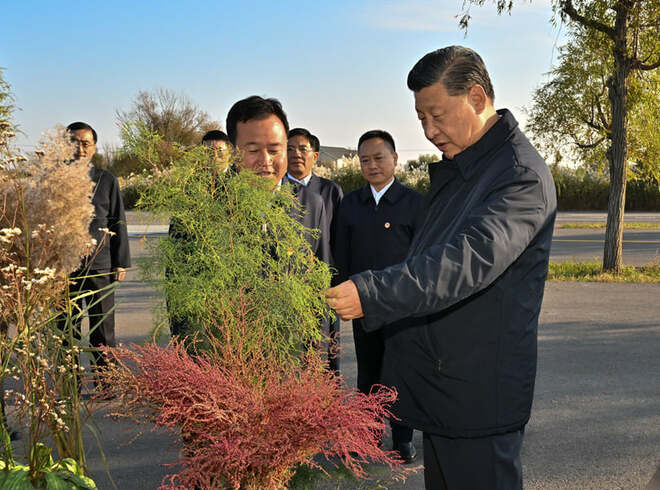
point(232, 235)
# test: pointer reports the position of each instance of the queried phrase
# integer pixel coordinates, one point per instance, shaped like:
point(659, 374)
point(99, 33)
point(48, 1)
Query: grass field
point(595, 226)
point(593, 272)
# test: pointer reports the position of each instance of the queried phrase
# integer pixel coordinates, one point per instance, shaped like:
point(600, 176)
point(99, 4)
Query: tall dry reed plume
point(45, 210)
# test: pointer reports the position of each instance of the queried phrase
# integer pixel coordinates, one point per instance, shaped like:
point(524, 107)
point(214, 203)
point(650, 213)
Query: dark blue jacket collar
point(468, 160)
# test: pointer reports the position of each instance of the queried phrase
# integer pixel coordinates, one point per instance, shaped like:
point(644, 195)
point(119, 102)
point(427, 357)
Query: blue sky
point(339, 67)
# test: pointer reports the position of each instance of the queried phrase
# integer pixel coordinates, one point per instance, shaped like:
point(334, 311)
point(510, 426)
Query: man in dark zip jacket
point(472, 282)
point(375, 226)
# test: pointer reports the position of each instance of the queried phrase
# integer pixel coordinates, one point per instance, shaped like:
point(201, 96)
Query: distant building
point(329, 155)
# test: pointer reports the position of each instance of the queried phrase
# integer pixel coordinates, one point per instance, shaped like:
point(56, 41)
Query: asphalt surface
point(640, 247)
point(596, 416)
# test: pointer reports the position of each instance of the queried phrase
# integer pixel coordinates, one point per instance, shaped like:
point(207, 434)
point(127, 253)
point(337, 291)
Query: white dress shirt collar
point(378, 194)
point(304, 181)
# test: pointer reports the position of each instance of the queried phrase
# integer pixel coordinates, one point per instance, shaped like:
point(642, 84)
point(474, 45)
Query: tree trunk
point(617, 153)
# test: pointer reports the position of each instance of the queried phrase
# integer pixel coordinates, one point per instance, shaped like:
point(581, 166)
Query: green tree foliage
point(234, 238)
point(421, 163)
point(571, 111)
point(630, 30)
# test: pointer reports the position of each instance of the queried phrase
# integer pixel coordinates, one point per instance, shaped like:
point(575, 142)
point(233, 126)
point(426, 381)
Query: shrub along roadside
point(599, 226)
point(593, 272)
point(576, 190)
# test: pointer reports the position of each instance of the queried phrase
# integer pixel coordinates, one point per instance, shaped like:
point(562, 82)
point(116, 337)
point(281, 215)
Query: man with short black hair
point(219, 142)
point(375, 226)
point(259, 128)
point(111, 258)
point(302, 154)
point(472, 282)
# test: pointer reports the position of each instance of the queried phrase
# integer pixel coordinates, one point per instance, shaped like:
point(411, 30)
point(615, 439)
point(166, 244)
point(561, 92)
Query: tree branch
point(568, 8)
point(586, 146)
point(591, 124)
point(601, 115)
point(636, 64)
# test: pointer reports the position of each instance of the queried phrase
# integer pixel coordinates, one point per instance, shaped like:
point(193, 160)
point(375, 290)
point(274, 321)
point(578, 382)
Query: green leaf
point(17, 479)
point(68, 465)
point(54, 481)
point(41, 455)
point(80, 482)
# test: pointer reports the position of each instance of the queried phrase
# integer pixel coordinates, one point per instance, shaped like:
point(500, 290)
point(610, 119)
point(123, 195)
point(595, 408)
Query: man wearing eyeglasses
point(108, 263)
point(302, 154)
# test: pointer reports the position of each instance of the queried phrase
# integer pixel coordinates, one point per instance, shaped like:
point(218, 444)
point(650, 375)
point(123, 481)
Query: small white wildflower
point(94, 242)
point(107, 231)
point(48, 273)
point(10, 232)
point(9, 268)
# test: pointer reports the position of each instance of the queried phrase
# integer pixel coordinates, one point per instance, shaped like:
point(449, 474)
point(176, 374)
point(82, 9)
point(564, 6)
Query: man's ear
point(316, 157)
point(395, 155)
point(477, 98)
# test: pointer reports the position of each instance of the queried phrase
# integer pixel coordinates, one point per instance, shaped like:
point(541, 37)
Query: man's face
point(262, 146)
point(301, 156)
point(450, 122)
point(377, 161)
point(221, 150)
point(83, 145)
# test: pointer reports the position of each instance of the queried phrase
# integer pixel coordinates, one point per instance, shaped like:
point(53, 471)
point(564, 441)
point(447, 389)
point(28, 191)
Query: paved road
point(596, 416)
point(640, 247)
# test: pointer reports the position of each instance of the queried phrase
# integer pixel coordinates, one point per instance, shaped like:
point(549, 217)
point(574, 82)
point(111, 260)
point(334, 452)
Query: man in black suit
point(258, 128)
point(220, 149)
point(302, 154)
point(375, 227)
point(111, 258)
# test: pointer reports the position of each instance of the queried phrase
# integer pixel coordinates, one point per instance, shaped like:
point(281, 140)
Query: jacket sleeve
point(342, 244)
point(494, 235)
point(119, 249)
point(324, 252)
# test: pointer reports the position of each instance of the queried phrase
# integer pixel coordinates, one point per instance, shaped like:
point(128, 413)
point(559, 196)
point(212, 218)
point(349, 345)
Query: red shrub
point(245, 422)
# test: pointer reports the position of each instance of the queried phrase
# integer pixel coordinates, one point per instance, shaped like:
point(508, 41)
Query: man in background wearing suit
point(111, 258)
point(375, 227)
point(302, 154)
point(258, 128)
